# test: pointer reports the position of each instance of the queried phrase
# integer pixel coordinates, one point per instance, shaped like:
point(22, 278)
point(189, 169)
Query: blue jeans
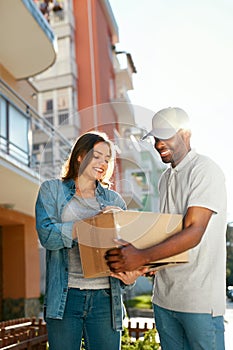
point(189, 331)
point(88, 315)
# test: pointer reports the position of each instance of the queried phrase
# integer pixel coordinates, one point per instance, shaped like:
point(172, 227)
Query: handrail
point(39, 132)
point(23, 333)
point(34, 111)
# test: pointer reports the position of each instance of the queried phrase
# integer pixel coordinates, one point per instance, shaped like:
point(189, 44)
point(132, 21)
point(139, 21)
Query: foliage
point(147, 343)
point(41, 299)
point(229, 238)
point(140, 302)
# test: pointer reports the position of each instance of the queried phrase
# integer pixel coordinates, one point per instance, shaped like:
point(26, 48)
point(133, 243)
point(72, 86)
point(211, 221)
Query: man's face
point(173, 150)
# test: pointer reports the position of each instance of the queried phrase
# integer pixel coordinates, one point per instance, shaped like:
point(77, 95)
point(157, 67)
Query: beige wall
point(22, 87)
point(20, 256)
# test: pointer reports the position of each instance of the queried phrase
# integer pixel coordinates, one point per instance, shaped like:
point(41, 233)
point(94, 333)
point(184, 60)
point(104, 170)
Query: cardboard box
point(98, 234)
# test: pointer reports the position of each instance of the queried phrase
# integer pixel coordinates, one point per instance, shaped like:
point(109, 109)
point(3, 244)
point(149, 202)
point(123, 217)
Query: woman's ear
point(79, 159)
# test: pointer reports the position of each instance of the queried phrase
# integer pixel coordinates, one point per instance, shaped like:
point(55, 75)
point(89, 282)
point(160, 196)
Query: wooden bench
point(27, 333)
point(22, 334)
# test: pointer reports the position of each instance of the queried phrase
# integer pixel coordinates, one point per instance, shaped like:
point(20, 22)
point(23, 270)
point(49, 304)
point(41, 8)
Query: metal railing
point(28, 137)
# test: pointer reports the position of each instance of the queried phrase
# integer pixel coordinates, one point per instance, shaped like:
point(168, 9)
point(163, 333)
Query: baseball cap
point(167, 122)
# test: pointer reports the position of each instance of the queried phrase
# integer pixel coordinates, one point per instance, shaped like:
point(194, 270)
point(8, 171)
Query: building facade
point(87, 87)
point(61, 74)
point(27, 47)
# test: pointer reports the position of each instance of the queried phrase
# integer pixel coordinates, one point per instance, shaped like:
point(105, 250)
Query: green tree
point(229, 239)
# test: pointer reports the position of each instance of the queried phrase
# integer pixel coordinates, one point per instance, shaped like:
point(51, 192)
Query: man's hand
point(125, 258)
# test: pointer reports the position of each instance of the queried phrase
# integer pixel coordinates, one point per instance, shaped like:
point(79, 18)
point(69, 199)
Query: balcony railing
point(28, 137)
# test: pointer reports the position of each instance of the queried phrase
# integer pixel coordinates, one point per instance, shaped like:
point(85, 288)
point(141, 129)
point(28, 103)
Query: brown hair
point(83, 147)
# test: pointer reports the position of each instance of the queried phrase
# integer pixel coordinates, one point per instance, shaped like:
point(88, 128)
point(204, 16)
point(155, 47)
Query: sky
point(183, 54)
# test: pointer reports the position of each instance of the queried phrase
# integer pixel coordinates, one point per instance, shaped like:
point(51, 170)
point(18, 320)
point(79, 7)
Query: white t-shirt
point(199, 285)
point(79, 208)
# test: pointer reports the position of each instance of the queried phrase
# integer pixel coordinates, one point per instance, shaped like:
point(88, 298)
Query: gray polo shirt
point(199, 285)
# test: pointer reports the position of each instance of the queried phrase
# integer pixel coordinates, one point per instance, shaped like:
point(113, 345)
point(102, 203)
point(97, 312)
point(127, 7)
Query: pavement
point(228, 322)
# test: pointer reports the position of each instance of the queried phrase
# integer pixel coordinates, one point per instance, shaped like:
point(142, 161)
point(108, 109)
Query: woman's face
point(98, 165)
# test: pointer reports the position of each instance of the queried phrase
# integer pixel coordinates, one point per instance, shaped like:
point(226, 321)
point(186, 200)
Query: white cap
point(167, 122)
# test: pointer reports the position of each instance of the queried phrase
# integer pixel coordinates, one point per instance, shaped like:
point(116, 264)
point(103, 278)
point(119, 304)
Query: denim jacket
point(56, 237)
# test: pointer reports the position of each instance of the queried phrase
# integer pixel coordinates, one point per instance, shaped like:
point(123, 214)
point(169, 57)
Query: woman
point(76, 307)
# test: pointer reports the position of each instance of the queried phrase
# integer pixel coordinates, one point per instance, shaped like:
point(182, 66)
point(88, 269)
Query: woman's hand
point(129, 277)
point(111, 208)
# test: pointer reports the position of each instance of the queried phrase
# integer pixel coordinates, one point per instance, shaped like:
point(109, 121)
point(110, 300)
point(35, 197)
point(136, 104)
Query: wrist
point(146, 257)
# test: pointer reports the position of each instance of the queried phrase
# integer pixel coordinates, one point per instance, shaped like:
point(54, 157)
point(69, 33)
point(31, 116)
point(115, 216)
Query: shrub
point(148, 342)
point(140, 302)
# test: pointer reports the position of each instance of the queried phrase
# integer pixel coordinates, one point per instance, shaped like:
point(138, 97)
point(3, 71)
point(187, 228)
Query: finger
point(115, 267)
point(143, 270)
point(113, 251)
point(111, 208)
point(111, 256)
point(121, 242)
point(119, 275)
point(150, 273)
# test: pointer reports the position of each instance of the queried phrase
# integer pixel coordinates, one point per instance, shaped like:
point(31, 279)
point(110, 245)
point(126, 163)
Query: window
point(49, 105)
point(62, 99)
point(19, 146)
point(49, 119)
point(63, 117)
point(3, 128)
point(36, 147)
point(63, 106)
point(48, 157)
point(47, 102)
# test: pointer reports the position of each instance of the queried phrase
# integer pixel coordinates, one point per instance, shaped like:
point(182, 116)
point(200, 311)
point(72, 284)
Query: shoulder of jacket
point(111, 192)
point(52, 183)
point(108, 192)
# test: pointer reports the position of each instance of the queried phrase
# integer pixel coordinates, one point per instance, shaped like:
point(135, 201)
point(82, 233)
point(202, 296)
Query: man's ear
point(186, 137)
point(187, 133)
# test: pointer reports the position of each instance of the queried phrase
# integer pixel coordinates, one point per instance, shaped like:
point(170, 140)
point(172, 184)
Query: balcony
point(62, 73)
point(24, 35)
point(124, 69)
point(124, 111)
point(31, 150)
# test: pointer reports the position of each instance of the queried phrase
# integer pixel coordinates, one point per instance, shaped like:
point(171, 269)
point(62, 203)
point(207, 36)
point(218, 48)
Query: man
point(189, 299)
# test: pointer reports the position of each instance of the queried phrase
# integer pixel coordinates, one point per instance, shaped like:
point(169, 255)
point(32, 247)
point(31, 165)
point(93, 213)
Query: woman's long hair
point(83, 148)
